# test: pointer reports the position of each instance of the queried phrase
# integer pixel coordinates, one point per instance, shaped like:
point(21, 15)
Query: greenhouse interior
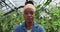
point(47, 14)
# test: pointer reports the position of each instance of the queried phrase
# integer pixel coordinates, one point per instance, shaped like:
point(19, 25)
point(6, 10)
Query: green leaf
point(38, 6)
point(47, 3)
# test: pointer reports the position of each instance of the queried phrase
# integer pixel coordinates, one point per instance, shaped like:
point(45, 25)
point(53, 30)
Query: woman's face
point(29, 15)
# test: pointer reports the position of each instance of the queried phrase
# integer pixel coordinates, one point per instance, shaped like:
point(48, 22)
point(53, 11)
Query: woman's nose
point(29, 14)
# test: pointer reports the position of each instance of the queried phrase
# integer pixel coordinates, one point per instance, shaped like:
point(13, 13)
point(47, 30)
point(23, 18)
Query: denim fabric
point(35, 28)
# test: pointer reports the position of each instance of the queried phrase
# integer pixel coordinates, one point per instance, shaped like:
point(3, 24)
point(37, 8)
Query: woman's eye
point(25, 13)
point(32, 13)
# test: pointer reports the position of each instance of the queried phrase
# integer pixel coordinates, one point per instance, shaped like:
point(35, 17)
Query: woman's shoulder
point(17, 28)
point(40, 27)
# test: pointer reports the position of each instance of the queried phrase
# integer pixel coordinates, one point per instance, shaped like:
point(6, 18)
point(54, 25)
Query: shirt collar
point(33, 28)
point(24, 25)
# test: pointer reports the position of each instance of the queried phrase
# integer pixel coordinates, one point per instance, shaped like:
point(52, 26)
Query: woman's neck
point(29, 25)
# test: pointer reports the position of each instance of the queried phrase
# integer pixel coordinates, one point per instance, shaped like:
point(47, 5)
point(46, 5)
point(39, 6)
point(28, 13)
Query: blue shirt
point(35, 28)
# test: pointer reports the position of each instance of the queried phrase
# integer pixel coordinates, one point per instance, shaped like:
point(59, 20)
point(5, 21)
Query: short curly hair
point(29, 2)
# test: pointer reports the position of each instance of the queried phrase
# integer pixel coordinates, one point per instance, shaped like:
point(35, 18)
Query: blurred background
point(47, 14)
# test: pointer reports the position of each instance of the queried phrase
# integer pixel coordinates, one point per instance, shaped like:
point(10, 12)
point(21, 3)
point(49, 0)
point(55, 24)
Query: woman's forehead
point(29, 7)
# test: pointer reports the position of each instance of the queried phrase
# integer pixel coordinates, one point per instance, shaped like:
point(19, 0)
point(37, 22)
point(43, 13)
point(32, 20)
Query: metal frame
point(12, 10)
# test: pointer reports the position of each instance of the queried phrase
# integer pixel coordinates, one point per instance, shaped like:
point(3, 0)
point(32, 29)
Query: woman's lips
point(29, 18)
